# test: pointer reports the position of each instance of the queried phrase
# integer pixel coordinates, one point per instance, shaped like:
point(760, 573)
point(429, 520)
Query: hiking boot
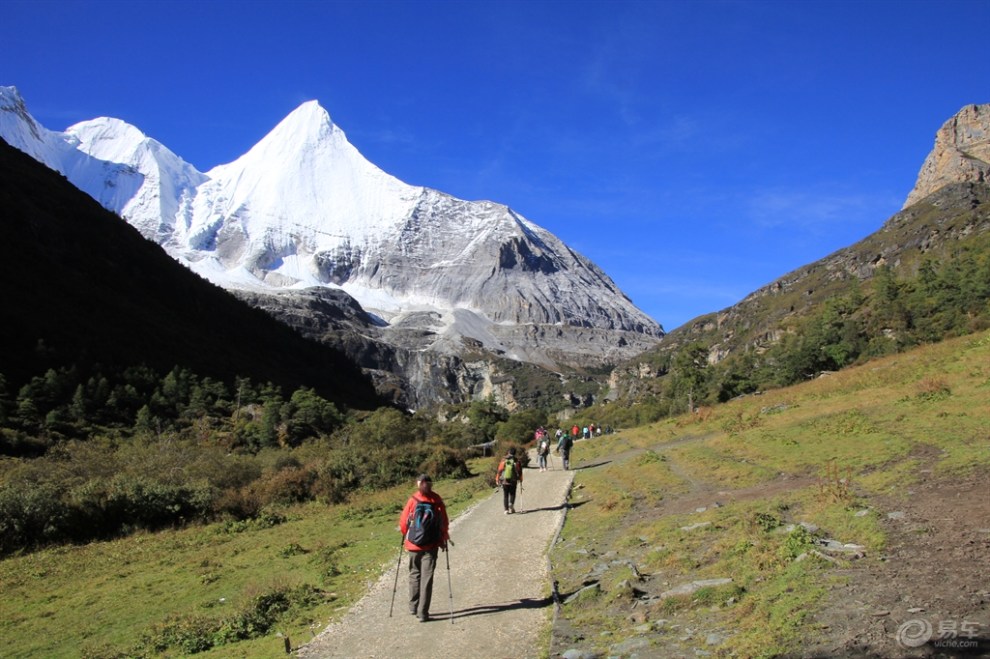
point(506, 512)
point(512, 509)
point(424, 618)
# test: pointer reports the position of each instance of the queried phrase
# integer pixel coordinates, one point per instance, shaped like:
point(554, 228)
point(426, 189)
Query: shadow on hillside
point(526, 603)
point(563, 506)
point(592, 465)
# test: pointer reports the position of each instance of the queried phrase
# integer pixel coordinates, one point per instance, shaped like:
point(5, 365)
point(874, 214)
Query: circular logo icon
point(914, 633)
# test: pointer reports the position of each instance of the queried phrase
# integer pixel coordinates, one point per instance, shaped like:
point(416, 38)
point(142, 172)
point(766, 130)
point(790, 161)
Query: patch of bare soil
point(928, 595)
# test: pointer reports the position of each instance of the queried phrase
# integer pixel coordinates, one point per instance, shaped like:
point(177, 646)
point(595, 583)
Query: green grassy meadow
point(130, 596)
point(644, 502)
point(732, 491)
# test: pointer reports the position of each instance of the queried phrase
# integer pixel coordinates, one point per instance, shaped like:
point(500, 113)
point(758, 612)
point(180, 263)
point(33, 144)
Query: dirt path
point(928, 595)
point(500, 592)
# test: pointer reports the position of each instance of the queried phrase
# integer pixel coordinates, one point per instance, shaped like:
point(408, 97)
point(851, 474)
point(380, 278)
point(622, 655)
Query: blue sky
point(695, 150)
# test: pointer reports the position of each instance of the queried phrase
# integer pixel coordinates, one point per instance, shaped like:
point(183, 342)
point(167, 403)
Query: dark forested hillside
point(80, 286)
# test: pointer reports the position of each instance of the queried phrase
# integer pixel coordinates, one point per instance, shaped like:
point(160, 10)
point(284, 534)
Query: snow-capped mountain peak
point(105, 138)
point(304, 208)
point(304, 177)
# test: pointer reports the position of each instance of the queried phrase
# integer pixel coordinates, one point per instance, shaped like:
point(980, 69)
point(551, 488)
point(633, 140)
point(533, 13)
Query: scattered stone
point(694, 586)
point(692, 527)
point(897, 514)
point(714, 639)
point(853, 550)
point(591, 590)
point(578, 654)
point(862, 513)
point(629, 646)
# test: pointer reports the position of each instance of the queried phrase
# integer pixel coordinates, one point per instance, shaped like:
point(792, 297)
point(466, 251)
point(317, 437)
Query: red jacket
point(407, 512)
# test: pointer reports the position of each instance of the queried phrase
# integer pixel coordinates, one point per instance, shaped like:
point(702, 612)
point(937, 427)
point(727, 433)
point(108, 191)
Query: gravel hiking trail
point(499, 603)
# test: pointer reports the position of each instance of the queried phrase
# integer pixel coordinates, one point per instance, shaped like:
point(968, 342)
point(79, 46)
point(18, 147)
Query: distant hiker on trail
point(564, 449)
point(575, 431)
point(424, 526)
point(542, 451)
point(508, 475)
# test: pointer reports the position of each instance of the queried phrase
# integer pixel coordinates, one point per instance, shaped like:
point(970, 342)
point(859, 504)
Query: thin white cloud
point(816, 210)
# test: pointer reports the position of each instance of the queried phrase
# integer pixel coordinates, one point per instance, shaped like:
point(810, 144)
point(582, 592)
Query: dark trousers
point(509, 495)
point(421, 566)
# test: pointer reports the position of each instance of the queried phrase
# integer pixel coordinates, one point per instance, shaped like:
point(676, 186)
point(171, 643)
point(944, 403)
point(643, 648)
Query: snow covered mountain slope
point(303, 208)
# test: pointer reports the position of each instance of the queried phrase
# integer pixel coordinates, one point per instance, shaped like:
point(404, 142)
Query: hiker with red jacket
point(424, 526)
point(508, 475)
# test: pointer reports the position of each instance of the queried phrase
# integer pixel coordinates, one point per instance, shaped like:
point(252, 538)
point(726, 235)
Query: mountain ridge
point(948, 210)
point(304, 209)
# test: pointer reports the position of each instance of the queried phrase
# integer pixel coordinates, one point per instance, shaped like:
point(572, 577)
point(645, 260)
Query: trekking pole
point(395, 587)
point(449, 589)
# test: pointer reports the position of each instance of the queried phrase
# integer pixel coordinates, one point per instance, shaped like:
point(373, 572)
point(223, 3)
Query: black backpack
point(424, 525)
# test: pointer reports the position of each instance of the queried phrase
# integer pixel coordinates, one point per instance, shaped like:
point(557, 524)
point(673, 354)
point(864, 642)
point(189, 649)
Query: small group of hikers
point(424, 523)
point(509, 472)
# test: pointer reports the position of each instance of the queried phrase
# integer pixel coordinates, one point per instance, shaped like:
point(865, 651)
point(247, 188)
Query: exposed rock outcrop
point(961, 153)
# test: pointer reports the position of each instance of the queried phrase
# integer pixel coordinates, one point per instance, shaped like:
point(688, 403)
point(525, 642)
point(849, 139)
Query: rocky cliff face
point(961, 153)
point(415, 363)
